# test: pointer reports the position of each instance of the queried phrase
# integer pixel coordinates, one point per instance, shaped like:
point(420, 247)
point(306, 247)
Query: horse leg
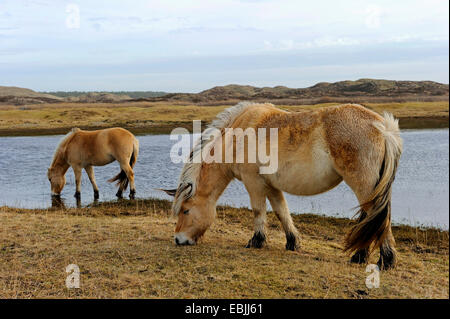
point(77, 173)
point(90, 172)
point(258, 203)
point(362, 191)
point(363, 185)
point(130, 175)
point(361, 256)
point(281, 209)
point(388, 254)
point(121, 184)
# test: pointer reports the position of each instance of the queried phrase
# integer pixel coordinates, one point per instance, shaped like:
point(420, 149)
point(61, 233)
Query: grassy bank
point(126, 250)
point(156, 118)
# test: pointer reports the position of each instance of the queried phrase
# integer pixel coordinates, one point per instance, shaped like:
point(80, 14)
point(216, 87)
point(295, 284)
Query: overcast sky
point(189, 46)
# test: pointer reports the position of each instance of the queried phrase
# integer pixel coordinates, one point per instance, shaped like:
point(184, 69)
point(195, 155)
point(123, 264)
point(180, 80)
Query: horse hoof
point(385, 266)
point(387, 262)
point(96, 195)
point(257, 241)
point(292, 242)
point(360, 257)
point(132, 194)
point(119, 195)
point(77, 195)
point(292, 247)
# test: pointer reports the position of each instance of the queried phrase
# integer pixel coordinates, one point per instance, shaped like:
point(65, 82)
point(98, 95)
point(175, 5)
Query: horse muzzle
point(182, 240)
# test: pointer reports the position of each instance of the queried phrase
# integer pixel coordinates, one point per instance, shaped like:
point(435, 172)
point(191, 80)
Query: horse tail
point(135, 153)
point(121, 178)
point(375, 215)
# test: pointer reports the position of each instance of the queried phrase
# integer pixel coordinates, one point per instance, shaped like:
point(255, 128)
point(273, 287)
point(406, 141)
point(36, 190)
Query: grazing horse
point(85, 149)
point(317, 149)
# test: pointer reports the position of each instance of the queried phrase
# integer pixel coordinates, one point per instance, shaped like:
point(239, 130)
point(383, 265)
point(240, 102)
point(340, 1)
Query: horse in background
point(317, 149)
point(81, 149)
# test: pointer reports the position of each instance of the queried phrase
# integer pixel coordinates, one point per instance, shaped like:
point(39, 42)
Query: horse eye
point(186, 212)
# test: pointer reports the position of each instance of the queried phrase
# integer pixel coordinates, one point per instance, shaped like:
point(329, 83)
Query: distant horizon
point(151, 90)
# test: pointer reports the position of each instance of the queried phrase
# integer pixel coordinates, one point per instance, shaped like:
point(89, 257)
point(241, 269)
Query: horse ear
point(170, 192)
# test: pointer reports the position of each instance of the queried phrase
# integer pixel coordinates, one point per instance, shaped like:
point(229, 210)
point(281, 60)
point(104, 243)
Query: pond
point(420, 191)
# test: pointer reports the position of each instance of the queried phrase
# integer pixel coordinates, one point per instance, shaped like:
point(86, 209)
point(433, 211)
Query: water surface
point(420, 192)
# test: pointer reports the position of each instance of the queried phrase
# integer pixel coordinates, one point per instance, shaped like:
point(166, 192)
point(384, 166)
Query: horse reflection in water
point(59, 203)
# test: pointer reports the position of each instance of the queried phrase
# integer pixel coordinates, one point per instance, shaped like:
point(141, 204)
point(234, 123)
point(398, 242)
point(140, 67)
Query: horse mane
point(63, 143)
point(187, 183)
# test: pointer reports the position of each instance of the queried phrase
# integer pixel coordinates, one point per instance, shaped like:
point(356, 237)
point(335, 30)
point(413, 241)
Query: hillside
point(363, 90)
point(360, 91)
point(98, 97)
point(19, 96)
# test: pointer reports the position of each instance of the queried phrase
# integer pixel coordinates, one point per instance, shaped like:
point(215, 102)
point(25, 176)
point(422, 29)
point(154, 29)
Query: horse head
point(195, 213)
point(57, 181)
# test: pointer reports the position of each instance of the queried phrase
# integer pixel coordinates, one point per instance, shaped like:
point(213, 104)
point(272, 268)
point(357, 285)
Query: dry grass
point(126, 250)
point(161, 117)
point(404, 109)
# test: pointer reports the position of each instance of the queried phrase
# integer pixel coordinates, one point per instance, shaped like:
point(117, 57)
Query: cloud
point(287, 44)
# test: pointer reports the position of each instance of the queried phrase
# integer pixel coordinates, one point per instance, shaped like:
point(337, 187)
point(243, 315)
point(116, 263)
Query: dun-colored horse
point(316, 150)
point(84, 149)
